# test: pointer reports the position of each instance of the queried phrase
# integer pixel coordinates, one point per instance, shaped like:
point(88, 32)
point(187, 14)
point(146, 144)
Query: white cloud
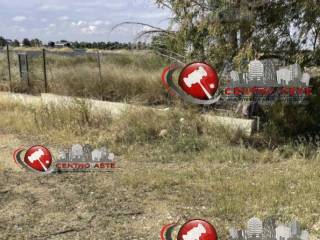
point(52, 7)
point(97, 22)
point(81, 23)
point(146, 28)
point(64, 18)
point(19, 18)
point(153, 15)
point(88, 4)
point(115, 5)
point(22, 30)
point(89, 30)
point(92, 23)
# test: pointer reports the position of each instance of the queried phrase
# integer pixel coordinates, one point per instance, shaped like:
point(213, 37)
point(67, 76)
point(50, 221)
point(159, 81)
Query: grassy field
point(195, 170)
point(125, 76)
point(171, 166)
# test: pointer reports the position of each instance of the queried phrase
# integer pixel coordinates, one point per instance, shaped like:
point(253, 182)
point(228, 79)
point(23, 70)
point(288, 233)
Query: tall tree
point(3, 41)
point(16, 43)
point(235, 29)
point(26, 42)
point(35, 43)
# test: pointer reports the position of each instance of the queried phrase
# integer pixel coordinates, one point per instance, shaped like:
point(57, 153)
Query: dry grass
point(194, 171)
point(125, 76)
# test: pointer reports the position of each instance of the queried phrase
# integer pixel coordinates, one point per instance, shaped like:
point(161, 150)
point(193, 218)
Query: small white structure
point(256, 70)
point(284, 76)
point(304, 235)
point(296, 72)
point(254, 228)
point(306, 79)
point(96, 155)
point(283, 232)
point(234, 75)
point(111, 157)
point(76, 152)
point(62, 156)
point(233, 233)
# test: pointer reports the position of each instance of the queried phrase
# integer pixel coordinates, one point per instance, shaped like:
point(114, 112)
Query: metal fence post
point(100, 74)
point(9, 68)
point(45, 71)
point(99, 65)
point(27, 69)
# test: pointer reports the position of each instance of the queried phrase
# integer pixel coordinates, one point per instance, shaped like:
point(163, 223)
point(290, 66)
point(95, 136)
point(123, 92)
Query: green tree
point(51, 44)
point(214, 30)
point(35, 42)
point(26, 42)
point(3, 41)
point(16, 43)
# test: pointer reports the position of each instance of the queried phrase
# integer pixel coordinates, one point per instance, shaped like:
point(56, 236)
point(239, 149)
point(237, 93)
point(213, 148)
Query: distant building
point(62, 156)
point(295, 230)
point(76, 152)
point(296, 73)
point(244, 77)
point(283, 232)
point(111, 157)
point(96, 155)
point(254, 229)
point(62, 44)
point(304, 235)
point(284, 76)
point(242, 235)
point(234, 75)
point(87, 149)
point(104, 154)
point(233, 233)
point(256, 71)
point(305, 80)
point(270, 75)
point(269, 229)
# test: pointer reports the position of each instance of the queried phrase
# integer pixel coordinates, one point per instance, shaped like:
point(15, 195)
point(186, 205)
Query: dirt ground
point(73, 205)
point(136, 200)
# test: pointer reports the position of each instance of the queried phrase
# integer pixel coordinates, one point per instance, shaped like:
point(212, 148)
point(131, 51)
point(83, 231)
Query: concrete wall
point(116, 109)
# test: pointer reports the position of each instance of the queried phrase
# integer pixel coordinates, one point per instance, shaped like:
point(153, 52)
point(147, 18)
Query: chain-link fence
point(105, 75)
point(32, 70)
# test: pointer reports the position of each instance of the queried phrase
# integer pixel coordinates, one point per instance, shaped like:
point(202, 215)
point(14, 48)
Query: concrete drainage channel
point(116, 109)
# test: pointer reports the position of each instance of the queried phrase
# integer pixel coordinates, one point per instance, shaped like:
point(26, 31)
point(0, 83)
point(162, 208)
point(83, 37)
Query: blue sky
point(81, 20)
